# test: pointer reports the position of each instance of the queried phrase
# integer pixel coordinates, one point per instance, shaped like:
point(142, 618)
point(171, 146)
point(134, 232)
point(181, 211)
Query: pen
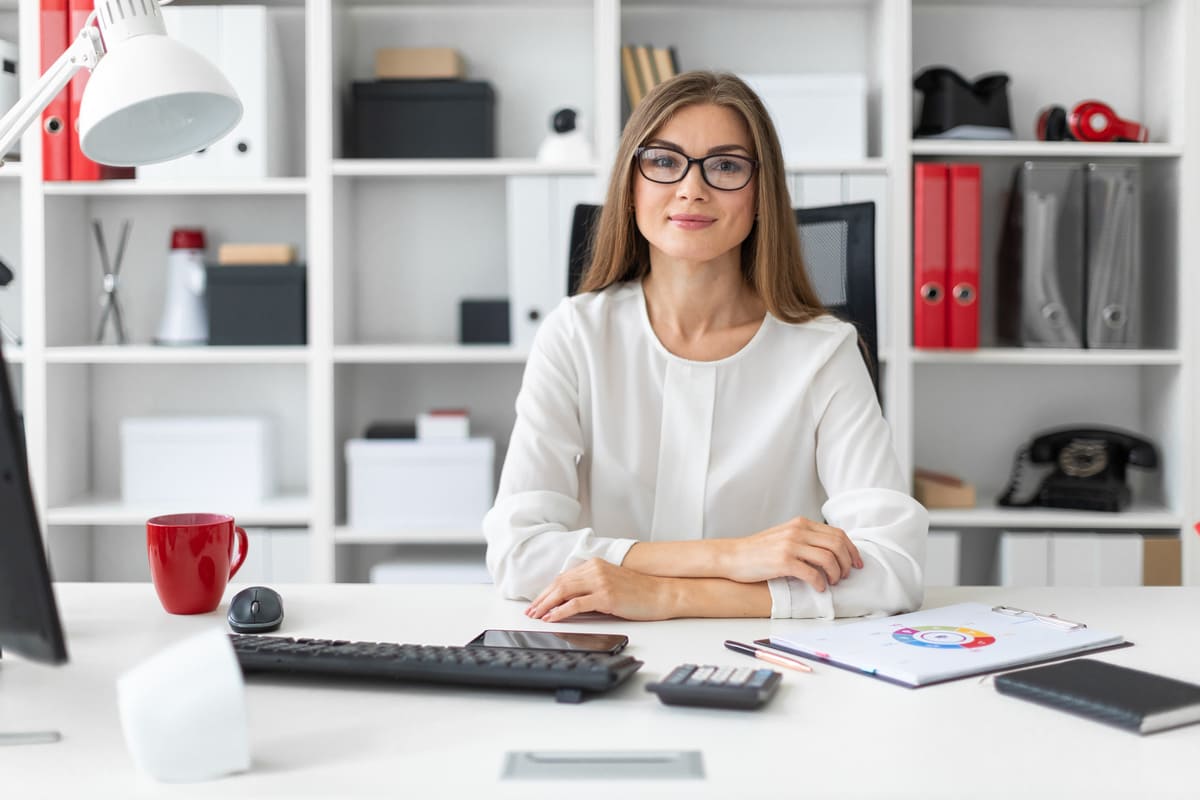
point(777, 659)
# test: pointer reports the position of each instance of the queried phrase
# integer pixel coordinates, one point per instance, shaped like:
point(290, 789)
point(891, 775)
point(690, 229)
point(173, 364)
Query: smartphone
point(610, 643)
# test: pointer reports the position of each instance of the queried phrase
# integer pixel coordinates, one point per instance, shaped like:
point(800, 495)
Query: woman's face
point(692, 221)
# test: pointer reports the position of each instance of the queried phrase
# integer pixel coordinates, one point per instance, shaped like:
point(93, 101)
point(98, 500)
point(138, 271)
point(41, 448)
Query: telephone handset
point(1087, 469)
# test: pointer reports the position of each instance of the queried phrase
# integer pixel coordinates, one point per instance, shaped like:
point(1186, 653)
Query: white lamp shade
point(152, 99)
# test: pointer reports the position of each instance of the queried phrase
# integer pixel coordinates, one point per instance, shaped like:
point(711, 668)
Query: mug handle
point(243, 547)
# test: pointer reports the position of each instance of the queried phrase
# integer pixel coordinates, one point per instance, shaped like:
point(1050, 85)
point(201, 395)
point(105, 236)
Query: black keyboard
point(568, 673)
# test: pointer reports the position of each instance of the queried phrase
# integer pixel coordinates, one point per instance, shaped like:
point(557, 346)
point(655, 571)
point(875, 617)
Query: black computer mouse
point(255, 609)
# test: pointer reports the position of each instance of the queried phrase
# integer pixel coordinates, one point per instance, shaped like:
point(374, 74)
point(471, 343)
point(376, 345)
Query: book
point(664, 67)
point(941, 644)
point(641, 55)
point(1127, 698)
point(633, 81)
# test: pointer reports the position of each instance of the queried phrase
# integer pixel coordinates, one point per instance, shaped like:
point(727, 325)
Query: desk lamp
point(149, 99)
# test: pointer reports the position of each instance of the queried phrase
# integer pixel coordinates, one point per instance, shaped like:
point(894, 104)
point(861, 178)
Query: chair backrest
point(838, 245)
point(582, 223)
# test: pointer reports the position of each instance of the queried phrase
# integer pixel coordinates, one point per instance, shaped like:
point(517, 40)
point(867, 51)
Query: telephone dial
point(1086, 469)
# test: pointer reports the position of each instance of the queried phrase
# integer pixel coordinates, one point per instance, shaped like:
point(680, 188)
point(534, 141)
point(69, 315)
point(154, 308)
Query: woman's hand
point(597, 585)
point(815, 553)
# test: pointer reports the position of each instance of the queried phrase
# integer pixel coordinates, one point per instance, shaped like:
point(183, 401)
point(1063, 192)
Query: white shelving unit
point(393, 245)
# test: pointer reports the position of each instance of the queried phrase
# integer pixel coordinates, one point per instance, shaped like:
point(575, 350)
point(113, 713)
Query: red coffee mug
point(191, 559)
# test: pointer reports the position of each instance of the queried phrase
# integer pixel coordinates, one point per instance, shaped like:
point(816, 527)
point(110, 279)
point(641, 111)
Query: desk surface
point(827, 734)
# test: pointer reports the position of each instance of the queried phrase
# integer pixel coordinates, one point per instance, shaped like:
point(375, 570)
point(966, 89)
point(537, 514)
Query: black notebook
point(1129, 698)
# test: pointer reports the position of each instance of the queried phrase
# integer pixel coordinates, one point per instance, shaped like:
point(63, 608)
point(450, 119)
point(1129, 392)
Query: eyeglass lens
point(721, 171)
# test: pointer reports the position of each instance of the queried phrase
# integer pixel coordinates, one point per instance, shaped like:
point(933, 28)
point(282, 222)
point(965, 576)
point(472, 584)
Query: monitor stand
point(9, 739)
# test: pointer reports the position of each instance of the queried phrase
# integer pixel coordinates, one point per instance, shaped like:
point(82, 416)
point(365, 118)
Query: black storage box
point(483, 322)
point(422, 119)
point(256, 304)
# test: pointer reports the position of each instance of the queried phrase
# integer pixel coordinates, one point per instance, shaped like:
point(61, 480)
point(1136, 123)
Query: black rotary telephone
point(1087, 469)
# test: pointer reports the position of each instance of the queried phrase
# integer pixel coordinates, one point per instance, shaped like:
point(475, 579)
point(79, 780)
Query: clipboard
point(948, 643)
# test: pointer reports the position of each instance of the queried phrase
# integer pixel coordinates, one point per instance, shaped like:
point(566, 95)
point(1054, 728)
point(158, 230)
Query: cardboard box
point(217, 461)
point(411, 484)
point(419, 63)
point(935, 490)
point(1162, 561)
point(256, 253)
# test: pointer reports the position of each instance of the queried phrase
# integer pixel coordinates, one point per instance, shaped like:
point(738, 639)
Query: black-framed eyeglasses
point(724, 171)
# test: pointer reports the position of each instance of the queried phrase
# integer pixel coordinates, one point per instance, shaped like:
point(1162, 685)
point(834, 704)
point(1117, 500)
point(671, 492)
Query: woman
point(687, 420)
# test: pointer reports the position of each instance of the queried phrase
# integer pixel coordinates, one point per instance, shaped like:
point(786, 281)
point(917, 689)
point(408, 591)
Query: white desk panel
point(826, 734)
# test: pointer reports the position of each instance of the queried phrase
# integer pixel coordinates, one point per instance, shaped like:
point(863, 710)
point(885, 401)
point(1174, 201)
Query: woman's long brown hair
point(771, 261)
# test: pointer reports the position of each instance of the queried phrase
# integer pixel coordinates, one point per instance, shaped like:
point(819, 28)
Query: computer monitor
point(29, 622)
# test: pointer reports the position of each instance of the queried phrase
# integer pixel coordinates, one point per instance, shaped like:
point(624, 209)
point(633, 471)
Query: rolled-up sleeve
point(533, 530)
point(867, 498)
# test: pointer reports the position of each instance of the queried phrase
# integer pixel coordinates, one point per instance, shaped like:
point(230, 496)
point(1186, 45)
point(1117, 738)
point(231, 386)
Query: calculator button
point(680, 673)
point(760, 678)
point(701, 675)
point(721, 675)
point(740, 675)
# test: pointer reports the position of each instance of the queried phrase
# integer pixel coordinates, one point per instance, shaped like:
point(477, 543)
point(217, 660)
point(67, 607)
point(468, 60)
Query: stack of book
point(643, 67)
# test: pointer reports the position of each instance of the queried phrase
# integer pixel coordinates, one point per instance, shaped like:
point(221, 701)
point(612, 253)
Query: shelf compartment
point(347, 535)
point(150, 188)
point(88, 510)
point(74, 278)
point(1137, 517)
point(556, 67)
point(973, 420)
point(1030, 356)
point(428, 354)
point(1160, 308)
point(1134, 49)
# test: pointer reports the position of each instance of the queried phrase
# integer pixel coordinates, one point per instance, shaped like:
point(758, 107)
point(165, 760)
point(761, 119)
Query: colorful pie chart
point(943, 637)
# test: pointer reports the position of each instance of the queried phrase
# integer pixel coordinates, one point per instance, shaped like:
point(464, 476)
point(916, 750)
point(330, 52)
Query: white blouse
point(617, 440)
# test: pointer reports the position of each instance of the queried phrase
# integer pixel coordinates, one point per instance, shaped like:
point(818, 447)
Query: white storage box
point(212, 460)
point(276, 555)
point(818, 117)
point(445, 564)
point(406, 483)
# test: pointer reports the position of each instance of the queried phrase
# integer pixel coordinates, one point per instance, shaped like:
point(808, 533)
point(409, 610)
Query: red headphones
point(1089, 121)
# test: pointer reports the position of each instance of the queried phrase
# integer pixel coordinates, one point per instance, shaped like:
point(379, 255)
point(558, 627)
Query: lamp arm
point(85, 51)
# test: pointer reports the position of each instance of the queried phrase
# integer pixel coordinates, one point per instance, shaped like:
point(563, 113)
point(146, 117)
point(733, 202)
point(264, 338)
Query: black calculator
point(716, 687)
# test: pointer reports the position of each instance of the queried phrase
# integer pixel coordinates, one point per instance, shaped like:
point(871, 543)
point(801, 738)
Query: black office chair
point(838, 245)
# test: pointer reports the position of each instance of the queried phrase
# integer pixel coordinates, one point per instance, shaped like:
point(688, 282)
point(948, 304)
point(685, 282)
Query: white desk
point(827, 734)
